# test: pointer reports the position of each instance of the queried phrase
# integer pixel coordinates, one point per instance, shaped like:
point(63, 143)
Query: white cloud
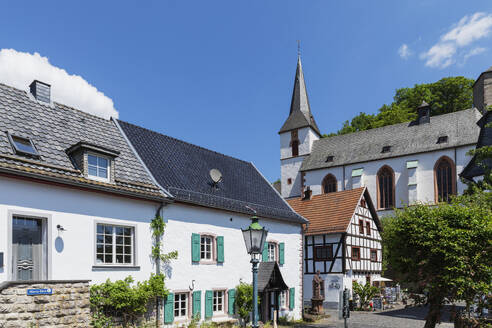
point(474, 52)
point(404, 51)
point(19, 69)
point(468, 30)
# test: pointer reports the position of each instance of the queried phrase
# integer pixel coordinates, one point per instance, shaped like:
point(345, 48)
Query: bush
point(365, 293)
point(124, 300)
point(244, 301)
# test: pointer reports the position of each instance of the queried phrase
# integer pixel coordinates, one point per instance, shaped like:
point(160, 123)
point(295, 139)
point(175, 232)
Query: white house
point(342, 241)
point(204, 225)
point(399, 164)
point(75, 202)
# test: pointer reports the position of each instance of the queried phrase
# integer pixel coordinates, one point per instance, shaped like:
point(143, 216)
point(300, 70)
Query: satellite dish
point(215, 175)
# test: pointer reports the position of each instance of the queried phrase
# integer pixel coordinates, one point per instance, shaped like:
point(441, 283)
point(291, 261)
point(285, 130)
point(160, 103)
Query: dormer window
point(442, 139)
point(98, 167)
point(23, 146)
point(329, 158)
point(386, 149)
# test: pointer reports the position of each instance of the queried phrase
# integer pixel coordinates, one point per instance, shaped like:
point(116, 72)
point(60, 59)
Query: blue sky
point(219, 74)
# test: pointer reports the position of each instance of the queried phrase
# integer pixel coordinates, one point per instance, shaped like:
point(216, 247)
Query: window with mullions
point(114, 244)
point(329, 184)
point(386, 188)
point(323, 253)
point(355, 253)
point(218, 303)
point(444, 179)
point(272, 252)
point(206, 248)
point(181, 305)
point(98, 167)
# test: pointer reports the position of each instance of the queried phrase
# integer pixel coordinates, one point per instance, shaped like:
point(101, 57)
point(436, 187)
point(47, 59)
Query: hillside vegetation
point(447, 95)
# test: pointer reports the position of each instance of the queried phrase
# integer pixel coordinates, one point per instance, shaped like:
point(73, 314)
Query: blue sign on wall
point(40, 291)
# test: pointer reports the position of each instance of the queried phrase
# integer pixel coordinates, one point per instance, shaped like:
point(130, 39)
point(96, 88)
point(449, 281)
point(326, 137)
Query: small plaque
point(40, 291)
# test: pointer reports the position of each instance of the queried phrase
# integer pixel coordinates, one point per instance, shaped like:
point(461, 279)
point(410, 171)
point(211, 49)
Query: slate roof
point(183, 169)
point(331, 212)
point(270, 277)
point(472, 169)
point(404, 139)
point(54, 128)
point(300, 111)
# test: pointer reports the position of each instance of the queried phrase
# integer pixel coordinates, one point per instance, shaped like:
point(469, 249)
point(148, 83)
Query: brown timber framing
point(309, 242)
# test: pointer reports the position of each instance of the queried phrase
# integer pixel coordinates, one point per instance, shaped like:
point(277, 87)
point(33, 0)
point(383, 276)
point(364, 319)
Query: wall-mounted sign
point(40, 291)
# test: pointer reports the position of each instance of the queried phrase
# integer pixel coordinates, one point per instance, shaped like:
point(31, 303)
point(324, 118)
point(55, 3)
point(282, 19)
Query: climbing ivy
point(158, 226)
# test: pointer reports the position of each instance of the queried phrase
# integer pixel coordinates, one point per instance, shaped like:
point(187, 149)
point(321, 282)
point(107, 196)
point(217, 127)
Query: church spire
point(300, 112)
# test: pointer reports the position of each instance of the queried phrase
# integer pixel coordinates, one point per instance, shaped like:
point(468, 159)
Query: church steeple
point(300, 112)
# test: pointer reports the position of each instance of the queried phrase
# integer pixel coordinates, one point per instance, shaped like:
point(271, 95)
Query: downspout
point(158, 269)
point(455, 172)
point(343, 187)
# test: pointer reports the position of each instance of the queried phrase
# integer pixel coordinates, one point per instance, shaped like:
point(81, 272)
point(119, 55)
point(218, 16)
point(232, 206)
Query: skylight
point(23, 146)
point(442, 139)
point(386, 149)
point(329, 158)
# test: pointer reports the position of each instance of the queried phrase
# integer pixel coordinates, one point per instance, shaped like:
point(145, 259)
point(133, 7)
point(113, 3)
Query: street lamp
point(254, 238)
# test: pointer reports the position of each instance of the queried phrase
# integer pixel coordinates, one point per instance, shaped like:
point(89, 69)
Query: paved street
point(405, 318)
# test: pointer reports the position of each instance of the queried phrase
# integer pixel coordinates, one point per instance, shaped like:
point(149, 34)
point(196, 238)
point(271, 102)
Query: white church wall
point(422, 190)
point(72, 252)
point(183, 220)
point(290, 170)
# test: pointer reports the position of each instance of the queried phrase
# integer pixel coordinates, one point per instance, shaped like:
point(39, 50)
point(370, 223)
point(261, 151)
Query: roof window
point(386, 149)
point(98, 167)
point(442, 139)
point(23, 146)
point(329, 158)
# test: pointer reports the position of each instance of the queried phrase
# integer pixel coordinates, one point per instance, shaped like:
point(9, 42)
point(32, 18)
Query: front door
point(27, 248)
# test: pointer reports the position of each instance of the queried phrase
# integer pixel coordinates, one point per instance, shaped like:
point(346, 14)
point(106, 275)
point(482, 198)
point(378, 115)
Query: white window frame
point(212, 243)
point(133, 246)
point(108, 168)
point(272, 251)
point(215, 303)
point(283, 299)
point(180, 302)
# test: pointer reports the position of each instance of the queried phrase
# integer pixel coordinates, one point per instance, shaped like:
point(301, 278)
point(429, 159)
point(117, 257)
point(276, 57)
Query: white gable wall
point(77, 211)
point(182, 220)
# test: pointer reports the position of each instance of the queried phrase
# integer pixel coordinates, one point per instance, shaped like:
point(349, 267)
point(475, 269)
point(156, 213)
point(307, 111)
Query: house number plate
point(40, 291)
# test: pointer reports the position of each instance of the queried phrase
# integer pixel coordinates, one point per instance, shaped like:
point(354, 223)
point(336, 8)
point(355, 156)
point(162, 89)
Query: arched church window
point(294, 143)
point(329, 184)
point(444, 179)
point(386, 187)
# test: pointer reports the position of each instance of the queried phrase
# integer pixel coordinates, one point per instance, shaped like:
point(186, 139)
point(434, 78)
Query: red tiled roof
point(329, 212)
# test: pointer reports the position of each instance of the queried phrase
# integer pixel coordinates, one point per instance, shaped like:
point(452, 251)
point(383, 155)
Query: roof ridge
point(393, 125)
point(54, 103)
point(184, 142)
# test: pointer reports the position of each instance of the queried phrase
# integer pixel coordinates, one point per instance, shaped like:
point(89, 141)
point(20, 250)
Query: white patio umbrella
point(381, 279)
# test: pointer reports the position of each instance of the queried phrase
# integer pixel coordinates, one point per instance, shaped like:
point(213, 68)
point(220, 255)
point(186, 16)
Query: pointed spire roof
point(300, 112)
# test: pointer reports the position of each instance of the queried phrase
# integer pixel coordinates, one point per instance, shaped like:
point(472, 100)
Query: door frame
point(46, 220)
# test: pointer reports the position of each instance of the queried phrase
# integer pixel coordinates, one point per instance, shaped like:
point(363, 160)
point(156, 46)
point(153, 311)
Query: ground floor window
point(218, 301)
point(181, 305)
point(114, 244)
point(283, 299)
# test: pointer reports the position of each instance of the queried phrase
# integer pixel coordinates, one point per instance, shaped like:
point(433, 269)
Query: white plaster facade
point(182, 274)
point(71, 254)
point(411, 184)
point(289, 165)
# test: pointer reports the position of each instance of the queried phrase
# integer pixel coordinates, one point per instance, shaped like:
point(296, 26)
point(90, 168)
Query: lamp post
point(254, 238)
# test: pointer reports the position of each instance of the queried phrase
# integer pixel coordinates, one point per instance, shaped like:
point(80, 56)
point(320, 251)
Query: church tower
point(297, 136)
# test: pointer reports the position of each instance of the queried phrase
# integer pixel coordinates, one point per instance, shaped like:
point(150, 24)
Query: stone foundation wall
point(68, 306)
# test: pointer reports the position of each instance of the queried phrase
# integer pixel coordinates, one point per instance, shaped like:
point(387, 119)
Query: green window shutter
point(197, 303)
point(195, 247)
point(292, 298)
point(281, 257)
point(232, 300)
point(264, 255)
point(220, 249)
point(169, 308)
point(208, 304)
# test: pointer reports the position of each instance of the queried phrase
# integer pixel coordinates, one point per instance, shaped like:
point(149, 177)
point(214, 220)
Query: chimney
point(424, 113)
point(307, 193)
point(482, 91)
point(41, 91)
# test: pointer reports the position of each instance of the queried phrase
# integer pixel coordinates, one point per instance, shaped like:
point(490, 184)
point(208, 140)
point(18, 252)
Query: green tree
point(244, 301)
point(365, 293)
point(445, 249)
point(447, 95)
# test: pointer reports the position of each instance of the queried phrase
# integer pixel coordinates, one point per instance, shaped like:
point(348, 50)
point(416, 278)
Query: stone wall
point(68, 306)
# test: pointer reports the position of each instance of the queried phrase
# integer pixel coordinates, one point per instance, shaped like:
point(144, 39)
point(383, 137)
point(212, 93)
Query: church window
point(329, 184)
point(444, 179)
point(289, 181)
point(294, 143)
point(386, 188)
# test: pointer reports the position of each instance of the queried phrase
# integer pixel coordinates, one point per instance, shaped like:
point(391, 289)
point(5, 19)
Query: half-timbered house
point(342, 241)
